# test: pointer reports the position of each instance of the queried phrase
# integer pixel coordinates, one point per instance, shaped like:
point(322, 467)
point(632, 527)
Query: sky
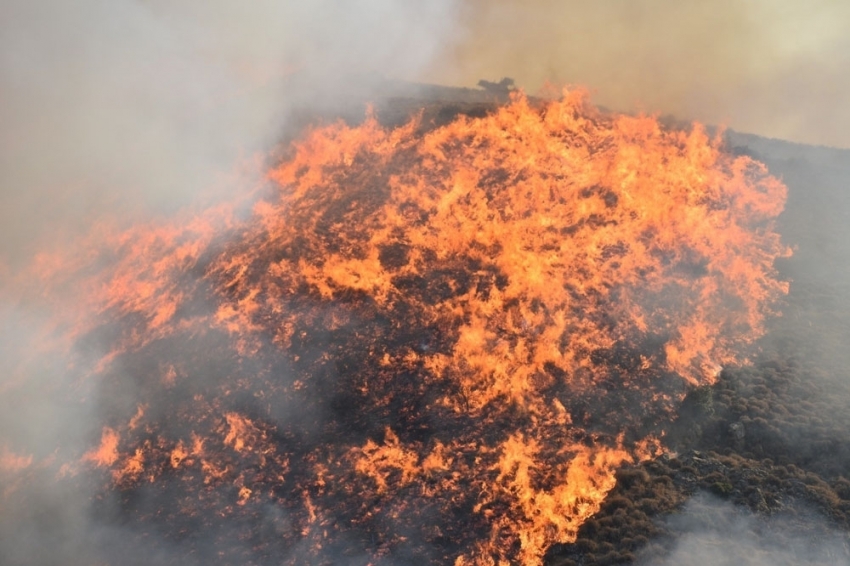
point(777, 68)
point(138, 105)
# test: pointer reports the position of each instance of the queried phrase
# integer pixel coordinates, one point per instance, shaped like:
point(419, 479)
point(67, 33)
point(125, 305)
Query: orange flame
point(521, 267)
point(107, 453)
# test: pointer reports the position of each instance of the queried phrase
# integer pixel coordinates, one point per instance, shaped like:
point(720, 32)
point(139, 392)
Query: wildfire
point(430, 342)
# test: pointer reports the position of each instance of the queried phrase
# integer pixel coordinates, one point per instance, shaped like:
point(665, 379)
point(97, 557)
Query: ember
point(430, 345)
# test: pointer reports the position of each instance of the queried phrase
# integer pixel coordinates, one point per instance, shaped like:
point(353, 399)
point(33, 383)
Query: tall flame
point(483, 319)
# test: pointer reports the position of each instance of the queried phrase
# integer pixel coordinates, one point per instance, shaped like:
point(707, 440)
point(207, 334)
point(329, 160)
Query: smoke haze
point(136, 105)
point(775, 68)
point(138, 108)
point(710, 531)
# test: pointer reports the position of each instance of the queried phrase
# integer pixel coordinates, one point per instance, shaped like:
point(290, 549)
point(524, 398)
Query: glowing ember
point(431, 346)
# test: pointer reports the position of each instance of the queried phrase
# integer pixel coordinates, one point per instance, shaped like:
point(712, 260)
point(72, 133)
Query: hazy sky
point(138, 104)
point(779, 68)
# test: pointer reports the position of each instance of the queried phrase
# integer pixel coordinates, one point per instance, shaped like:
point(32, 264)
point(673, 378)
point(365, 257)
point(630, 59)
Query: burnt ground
point(758, 469)
point(767, 446)
point(762, 457)
point(769, 443)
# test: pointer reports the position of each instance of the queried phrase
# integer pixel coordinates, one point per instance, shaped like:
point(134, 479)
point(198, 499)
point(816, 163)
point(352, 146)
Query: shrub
point(722, 488)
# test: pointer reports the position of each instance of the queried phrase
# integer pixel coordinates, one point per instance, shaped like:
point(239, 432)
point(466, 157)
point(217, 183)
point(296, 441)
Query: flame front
point(423, 342)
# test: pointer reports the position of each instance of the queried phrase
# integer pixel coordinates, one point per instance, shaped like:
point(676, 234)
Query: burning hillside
point(420, 344)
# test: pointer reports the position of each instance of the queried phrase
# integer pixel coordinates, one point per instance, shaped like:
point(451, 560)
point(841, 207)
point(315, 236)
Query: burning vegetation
point(422, 344)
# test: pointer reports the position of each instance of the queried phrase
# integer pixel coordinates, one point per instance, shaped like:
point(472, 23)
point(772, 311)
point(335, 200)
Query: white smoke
point(711, 532)
point(138, 105)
